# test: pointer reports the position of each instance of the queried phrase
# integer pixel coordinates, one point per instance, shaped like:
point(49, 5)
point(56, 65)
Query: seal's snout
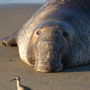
point(47, 57)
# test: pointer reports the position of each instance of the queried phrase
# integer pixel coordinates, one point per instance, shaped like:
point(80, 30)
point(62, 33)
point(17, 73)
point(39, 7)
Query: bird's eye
point(38, 32)
point(65, 34)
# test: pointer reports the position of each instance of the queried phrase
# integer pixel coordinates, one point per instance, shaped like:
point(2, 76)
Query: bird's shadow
point(27, 88)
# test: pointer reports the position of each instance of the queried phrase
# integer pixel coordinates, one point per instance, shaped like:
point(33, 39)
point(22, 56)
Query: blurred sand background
point(11, 18)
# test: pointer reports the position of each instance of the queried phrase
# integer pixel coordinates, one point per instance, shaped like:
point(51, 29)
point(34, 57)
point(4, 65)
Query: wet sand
point(11, 18)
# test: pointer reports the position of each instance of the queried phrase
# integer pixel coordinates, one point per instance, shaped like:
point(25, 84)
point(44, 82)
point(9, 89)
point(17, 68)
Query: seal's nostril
point(55, 69)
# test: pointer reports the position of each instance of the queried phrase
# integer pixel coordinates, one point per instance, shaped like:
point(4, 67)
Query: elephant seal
point(56, 36)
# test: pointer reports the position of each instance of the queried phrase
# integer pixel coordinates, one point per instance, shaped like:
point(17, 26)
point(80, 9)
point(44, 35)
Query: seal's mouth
point(47, 57)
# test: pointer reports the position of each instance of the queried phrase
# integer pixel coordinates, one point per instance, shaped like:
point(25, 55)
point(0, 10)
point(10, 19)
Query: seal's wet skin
point(57, 36)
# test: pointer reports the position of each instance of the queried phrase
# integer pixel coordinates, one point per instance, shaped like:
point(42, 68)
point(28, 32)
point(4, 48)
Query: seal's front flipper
point(8, 41)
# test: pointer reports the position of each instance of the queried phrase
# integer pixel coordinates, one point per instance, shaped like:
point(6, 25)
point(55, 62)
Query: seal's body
point(57, 35)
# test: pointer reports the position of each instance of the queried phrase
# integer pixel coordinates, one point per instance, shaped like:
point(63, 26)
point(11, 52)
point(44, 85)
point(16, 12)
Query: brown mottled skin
point(56, 36)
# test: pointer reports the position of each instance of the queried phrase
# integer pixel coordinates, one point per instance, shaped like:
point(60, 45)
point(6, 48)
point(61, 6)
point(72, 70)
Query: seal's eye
point(38, 32)
point(65, 34)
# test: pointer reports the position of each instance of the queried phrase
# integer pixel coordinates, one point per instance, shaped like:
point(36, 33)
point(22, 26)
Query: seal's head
point(52, 40)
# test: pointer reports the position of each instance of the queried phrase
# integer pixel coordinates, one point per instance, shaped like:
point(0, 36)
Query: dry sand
point(11, 18)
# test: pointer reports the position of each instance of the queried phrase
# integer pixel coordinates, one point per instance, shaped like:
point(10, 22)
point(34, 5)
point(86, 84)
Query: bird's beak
point(12, 80)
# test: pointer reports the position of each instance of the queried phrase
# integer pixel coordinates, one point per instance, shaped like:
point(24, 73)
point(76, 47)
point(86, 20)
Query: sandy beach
point(11, 18)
